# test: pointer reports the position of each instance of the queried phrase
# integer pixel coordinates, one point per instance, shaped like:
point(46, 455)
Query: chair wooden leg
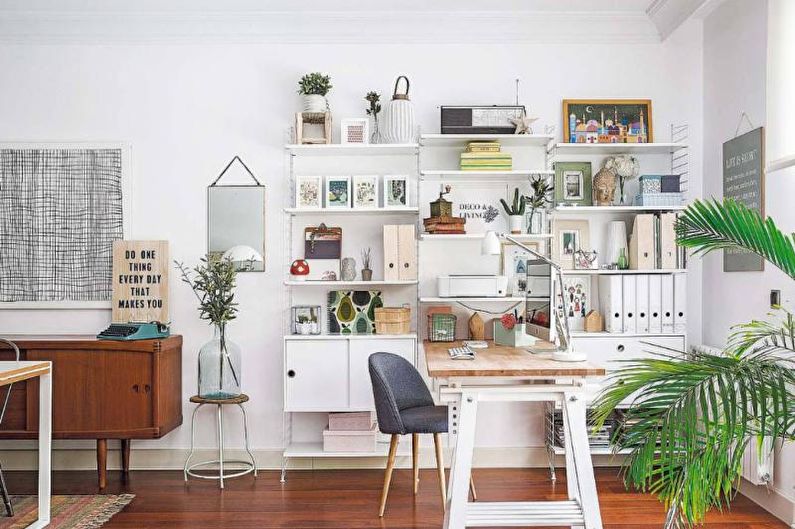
point(415, 460)
point(472, 489)
point(437, 441)
point(390, 465)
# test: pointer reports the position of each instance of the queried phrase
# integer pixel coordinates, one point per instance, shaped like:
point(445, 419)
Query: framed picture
point(586, 260)
point(573, 184)
point(569, 237)
point(514, 266)
point(306, 319)
point(479, 204)
point(338, 192)
point(365, 192)
point(309, 192)
point(396, 191)
point(607, 121)
point(355, 130)
point(577, 290)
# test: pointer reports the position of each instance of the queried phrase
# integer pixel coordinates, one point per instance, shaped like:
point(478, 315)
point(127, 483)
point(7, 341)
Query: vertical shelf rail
point(680, 158)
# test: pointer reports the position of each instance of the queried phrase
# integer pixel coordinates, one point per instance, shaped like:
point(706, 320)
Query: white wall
point(186, 108)
point(735, 37)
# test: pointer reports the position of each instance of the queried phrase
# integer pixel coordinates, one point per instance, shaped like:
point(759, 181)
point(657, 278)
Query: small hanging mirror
point(236, 222)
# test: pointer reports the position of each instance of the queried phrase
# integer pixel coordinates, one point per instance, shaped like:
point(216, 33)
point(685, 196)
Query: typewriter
point(135, 331)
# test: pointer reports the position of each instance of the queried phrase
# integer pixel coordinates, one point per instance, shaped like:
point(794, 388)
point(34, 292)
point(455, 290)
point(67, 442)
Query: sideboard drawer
point(608, 351)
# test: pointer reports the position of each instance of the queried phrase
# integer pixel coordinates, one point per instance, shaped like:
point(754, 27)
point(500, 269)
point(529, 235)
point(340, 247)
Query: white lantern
point(399, 116)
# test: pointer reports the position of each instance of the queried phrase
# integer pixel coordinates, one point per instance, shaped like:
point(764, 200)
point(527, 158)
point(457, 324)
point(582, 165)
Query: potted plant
point(367, 272)
point(314, 87)
point(515, 211)
point(213, 283)
point(538, 200)
point(374, 98)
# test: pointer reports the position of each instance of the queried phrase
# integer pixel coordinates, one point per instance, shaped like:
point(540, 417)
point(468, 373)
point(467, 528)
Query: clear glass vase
point(375, 135)
point(219, 367)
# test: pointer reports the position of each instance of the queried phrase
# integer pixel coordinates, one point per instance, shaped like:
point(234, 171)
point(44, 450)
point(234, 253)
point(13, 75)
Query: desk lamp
point(565, 352)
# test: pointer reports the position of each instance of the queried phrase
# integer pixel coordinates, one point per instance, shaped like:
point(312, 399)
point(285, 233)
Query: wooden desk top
point(502, 361)
point(11, 372)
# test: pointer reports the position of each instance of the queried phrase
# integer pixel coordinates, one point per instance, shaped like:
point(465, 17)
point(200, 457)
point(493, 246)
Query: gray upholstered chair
point(3, 490)
point(404, 405)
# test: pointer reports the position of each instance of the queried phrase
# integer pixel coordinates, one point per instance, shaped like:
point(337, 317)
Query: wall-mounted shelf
point(471, 300)
point(345, 211)
point(479, 175)
point(621, 272)
point(479, 236)
point(325, 337)
point(348, 283)
point(614, 209)
point(617, 148)
point(339, 149)
point(506, 140)
point(605, 334)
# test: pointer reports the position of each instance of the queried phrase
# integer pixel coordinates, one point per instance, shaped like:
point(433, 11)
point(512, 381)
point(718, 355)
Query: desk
point(508, 374)
point(11, 372)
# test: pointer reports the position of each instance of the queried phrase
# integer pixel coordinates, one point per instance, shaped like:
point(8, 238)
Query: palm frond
point(710, 225)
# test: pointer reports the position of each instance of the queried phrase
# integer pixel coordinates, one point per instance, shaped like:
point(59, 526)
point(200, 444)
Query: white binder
point(667, 295)
point(680, 303)
point(655, 304)
point(630, 304)
point(610, 300)
point(668, 248)
point(642, 304)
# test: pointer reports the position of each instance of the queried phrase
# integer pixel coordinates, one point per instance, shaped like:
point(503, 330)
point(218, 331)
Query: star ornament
point(523, 124)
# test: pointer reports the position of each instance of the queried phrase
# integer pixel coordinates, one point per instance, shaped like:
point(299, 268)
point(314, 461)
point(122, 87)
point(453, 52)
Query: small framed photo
point(338, 192)
point(586, 260)
point(365, 192)
point(355, 131)
point(577, 290)
point(306, 319)
point(570, 236)
point(309, 192)
point(514, 266)
point(396, 191)
point(573, 184)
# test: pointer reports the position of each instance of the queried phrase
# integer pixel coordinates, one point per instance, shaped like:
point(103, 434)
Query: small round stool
point(248, 466)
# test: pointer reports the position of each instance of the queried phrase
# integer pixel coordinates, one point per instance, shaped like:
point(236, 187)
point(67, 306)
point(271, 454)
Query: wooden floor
point(348, 499)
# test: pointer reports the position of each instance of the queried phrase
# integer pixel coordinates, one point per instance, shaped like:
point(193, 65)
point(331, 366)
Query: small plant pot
point(367, 274)
point(315, 103)
point(515, 223)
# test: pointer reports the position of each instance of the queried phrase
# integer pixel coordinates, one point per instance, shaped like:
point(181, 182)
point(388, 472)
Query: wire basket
point(441, 327)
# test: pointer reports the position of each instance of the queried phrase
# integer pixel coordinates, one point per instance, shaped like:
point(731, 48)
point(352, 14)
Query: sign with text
point(140, 281)
point(744, 181)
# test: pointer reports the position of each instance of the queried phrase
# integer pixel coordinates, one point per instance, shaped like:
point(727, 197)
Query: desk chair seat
point(404, 405)
point(3, 489)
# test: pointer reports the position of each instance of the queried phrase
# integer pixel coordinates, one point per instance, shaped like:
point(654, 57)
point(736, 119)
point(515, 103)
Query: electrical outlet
point(775, 299)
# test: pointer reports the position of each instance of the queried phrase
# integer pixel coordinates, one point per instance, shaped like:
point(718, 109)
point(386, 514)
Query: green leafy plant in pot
point(515, 211)
point(314, 87)
point(692, 415)
point(537, 201)
point(213, 283)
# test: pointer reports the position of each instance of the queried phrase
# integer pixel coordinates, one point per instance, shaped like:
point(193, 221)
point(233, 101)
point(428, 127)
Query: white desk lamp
point(565, 352)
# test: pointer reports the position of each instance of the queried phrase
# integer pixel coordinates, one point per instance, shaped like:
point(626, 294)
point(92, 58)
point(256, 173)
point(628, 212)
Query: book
point(444, 220)
point(485, 155)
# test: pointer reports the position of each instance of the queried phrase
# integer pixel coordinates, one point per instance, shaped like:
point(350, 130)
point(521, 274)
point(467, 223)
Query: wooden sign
point(140, 281)
point(744, 181)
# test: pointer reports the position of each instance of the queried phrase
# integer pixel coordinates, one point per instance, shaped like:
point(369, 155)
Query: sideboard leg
point(125, 455)
point(102, 462)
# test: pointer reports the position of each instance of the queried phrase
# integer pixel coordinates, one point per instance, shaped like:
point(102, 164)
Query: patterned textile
point(67, 512)
point(353, 311)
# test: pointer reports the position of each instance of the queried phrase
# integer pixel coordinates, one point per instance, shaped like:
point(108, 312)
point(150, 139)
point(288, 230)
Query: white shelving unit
point(350, 212)
point(630, 210)
point(589, 149)
point(479, 236)
point(348, 149)
point(506, 140)
point(361, 284)
point(507, 299)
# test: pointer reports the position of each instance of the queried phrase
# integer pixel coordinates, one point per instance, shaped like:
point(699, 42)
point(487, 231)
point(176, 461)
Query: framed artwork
point(309, 192)
point(569, 237)
point(355, 131)
point(353, 311)
point(396, 191)
point(338, 192)
point(479, 204)
point(586, 260)
point(365, 192)
point(573, 184)
point(514, 266)
point(577, 290)
point(607, 121)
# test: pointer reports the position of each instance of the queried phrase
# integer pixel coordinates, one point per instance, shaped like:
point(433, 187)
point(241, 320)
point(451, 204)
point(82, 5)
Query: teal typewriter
point(135, 331)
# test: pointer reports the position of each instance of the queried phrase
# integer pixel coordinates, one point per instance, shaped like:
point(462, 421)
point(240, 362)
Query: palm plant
point(693, 415)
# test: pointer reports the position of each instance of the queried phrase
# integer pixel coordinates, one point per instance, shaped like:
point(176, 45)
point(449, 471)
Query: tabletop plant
point(374, 98)
point(314, 83)
point(693, 415)
point(515, 211)
point(540, 197)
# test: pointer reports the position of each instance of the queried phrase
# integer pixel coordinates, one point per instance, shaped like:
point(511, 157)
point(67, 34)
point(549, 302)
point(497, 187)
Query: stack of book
point(450, 225)
point(485, 156)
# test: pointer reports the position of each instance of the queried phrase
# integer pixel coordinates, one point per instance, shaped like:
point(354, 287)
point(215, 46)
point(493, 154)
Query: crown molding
point(324, 27)
point(667, 15)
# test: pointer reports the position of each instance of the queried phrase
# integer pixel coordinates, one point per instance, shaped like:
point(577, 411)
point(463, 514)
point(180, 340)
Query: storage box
point(350, 440)
point(392, 320)
point(516, 337)
point(659, 183)
point(357, 420)
point(441, 327)
point(658, 199)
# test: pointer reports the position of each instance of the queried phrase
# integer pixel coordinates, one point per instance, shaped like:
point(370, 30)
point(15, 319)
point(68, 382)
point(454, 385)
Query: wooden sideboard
point(102, 389)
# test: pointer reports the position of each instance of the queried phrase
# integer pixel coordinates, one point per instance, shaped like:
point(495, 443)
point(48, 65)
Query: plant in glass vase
point(213, 283)
point(374, 98)
point(537, 202)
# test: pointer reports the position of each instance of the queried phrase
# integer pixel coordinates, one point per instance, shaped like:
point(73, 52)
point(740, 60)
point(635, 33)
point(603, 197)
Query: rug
point(68, 512)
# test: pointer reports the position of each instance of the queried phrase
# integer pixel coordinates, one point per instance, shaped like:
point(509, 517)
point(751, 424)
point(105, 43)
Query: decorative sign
point(480, 205)
point(744, 181)
point(140, 281)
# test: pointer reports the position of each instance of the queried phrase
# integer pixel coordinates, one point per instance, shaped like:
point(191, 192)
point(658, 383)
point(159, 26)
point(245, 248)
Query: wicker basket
point(441, 327)
point(392, 320)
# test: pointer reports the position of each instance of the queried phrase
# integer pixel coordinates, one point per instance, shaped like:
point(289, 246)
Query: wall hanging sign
point(744, 181)
point(479, 204)
point(140, 281)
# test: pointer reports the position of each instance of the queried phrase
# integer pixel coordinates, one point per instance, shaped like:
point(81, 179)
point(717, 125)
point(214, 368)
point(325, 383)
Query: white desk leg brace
point(579, 469)
point(45, 444)
point(460, 472)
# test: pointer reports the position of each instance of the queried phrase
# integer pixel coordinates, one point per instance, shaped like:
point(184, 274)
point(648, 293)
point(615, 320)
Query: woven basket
point(392, 320)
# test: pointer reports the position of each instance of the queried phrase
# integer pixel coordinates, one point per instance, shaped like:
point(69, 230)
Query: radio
point(494, 119)
point(471, 286)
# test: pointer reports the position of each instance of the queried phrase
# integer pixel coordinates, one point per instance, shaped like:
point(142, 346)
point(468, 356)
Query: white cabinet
point(608, 350)
point(332, 374)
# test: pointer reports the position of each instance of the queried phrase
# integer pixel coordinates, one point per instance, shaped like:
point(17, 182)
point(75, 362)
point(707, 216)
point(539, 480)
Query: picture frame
point(578, 290)
point(355, 131)
point(586, 259)
point(365, 192)
point(479, 204)
point(570, 236)
point(573, 184)
point(306, 319)
point(309, 192)
point(396, 191)
point(513, 265)
point(607, 121)
point(338, 192)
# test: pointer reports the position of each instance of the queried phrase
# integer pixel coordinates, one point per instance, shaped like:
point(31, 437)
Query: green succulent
point(314, 83)
point(518, 206)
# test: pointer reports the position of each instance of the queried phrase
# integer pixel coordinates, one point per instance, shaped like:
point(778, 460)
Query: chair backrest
point(397, 386)
point(13, 346)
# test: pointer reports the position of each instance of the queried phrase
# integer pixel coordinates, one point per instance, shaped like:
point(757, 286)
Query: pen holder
point(516, 337)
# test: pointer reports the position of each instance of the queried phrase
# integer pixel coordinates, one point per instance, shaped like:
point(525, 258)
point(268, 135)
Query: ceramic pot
point(515, 223)
point(315, 103)
point(399, 124)
point(348, 269)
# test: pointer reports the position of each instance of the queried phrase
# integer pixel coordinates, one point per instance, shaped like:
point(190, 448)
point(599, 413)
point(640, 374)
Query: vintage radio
point(471, 286)
point(494, 119)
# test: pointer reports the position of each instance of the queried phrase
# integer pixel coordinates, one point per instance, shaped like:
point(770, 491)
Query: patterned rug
point(68, 512)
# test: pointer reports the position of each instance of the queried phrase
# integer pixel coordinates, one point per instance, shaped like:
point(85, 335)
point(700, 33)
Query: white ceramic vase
point(315, 103)
point(515, 223)
point(616, 240)
point(399, 124)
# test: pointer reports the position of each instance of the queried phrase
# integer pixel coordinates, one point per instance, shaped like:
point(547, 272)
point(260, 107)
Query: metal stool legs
point(4, 492)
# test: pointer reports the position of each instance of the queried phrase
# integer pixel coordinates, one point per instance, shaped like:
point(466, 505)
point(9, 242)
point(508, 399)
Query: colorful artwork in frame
point(309, 192)
point(607, 121)
point(365, 192)
point(338, 192)
point(353, 311)
point(577, 290)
